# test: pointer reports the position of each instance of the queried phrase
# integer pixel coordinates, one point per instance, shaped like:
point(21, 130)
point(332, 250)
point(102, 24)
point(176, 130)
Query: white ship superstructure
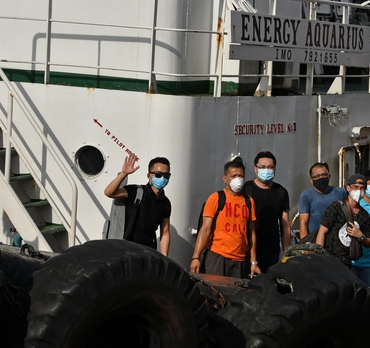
point(85, 83)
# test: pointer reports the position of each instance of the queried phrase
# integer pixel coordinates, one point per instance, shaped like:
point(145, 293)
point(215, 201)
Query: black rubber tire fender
point(114, 293)
point(17, 267)
point(309, 301)
point(15, 282)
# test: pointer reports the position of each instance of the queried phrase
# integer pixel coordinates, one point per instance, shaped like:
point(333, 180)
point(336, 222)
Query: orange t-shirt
point(230, 237)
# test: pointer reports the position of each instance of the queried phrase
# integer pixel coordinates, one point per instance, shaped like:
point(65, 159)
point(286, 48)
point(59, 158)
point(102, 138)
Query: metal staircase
point(31, 209)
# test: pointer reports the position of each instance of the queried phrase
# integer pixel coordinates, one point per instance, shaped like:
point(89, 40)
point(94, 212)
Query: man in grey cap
point(335, 233)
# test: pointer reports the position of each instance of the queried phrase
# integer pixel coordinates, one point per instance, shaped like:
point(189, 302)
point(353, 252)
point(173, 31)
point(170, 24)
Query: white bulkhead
point(197, 133)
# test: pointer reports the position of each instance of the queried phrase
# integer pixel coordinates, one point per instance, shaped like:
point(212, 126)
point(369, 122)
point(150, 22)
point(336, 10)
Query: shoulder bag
point(355, 249)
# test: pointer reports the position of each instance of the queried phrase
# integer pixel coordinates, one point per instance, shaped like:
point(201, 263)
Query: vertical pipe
point(9, 127)
point(342, 68)
point(152, 81)
point(269, 64)
point(220, 52)
point(310, 67)
point(341, 166)
point(48, 42)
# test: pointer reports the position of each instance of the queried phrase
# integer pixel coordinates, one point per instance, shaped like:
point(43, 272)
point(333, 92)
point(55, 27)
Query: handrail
point(363, 5)
point(151, 71)
point(72, 227)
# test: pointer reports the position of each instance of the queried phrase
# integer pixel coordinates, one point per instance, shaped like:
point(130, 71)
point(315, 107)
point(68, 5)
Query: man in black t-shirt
point(272, 210)
point(154, 209)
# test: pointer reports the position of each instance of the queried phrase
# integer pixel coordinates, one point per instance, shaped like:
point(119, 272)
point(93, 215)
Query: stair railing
point(13, 94)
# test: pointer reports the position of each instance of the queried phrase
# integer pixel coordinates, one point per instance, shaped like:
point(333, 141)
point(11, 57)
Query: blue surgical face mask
point(159, 183)
point(266, 175)
point(368, 190)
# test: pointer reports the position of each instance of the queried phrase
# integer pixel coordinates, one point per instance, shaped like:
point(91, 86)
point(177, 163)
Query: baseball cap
point(357, 179)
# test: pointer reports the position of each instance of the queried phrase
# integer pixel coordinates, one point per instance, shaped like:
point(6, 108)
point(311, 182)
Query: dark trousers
point(217, 264)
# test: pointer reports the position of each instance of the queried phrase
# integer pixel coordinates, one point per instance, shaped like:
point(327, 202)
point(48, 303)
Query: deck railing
point(217, 76)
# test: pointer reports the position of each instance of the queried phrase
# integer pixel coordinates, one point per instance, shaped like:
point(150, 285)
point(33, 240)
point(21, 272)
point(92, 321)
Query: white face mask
point(357, 195)
point(236, 184)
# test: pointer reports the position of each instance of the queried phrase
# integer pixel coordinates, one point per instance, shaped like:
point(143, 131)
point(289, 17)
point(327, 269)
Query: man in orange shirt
point(229, 243)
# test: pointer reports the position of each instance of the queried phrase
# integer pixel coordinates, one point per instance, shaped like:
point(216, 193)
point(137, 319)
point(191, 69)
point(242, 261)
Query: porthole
point(89, 161)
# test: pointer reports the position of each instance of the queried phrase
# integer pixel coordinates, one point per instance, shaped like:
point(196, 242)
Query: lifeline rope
point(301, 249)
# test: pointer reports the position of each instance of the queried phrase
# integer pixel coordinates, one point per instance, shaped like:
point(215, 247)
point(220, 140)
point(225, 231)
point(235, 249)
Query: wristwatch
point(362, 238)
point(254, 262)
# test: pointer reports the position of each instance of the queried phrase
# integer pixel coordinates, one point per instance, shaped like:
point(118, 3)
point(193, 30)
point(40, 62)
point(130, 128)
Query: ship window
point(89, 160)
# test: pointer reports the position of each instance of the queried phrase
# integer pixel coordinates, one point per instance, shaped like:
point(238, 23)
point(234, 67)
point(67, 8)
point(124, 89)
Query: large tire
point(309, 301)
point(113, 293)
point(15, 282)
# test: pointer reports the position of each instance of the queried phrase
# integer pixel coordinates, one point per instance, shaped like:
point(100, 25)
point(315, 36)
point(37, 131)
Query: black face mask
point(321, 184)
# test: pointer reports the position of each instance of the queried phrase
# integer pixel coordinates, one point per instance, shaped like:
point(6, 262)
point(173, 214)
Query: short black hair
point(162, 160)
point(319, 164)
point(237, 162)
point(264, 154)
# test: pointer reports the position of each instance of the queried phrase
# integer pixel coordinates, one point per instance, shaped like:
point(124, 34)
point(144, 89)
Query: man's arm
point(285, 224)
point(165, 237)
point(113, 190)
point(321, 235)
point(201, 243)
point(252, 241)
point(303, 224)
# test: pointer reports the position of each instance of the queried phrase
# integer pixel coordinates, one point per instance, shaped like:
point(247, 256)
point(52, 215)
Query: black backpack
point(221, 204)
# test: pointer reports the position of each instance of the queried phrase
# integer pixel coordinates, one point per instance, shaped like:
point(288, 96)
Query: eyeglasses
point(318, 176)
point(268, 167)
point(160, 174)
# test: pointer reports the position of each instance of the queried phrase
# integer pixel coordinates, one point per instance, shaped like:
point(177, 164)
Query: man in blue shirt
point(314, 200)
point(361, 267)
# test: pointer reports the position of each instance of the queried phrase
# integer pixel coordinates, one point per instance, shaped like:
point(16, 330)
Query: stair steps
point(46, 228)
point(19, 177)
point(51, 228)
point(3, 150)
point(36, 203)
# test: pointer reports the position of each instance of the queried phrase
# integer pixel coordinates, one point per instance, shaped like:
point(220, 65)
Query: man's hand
point(255, 270)
point(195, 265)
point(128, 166)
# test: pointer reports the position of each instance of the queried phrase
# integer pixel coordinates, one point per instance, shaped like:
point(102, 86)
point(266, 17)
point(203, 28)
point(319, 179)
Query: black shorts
point(217, 264)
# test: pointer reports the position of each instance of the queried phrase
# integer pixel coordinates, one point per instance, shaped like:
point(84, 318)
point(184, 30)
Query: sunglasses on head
point(160, 174)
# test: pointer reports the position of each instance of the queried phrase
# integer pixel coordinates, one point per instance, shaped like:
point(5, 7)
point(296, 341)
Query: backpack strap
point(131, 218)
point(221, 202)
point(220, 206)
point(346, 211)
